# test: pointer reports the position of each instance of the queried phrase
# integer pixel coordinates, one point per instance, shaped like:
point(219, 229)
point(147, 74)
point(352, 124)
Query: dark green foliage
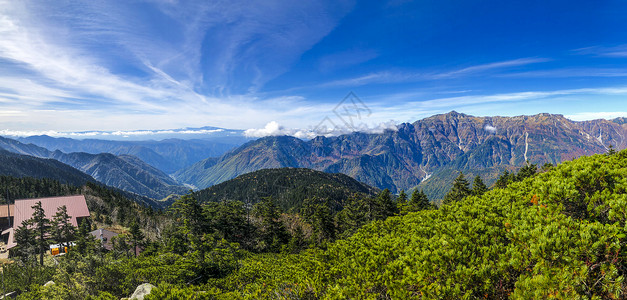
point(459, 191)
point(418, 201)
point(318, 213)
point(137, 237)
point(504, 180)
point(289, 187)
point(401, 199)
point(610, 150)
point(63, 231)
point(25, 238)
point(478, 187)
point(41, 228)
point(384, 206)
point(85, 242)
point(228, 219)
point(271, 230)
point(29, 187)
point(17, 165)
point(527, 171)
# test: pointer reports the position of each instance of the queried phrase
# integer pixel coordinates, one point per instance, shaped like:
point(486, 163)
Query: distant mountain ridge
point(404, 158)
point(124, 172)
point(167, 155)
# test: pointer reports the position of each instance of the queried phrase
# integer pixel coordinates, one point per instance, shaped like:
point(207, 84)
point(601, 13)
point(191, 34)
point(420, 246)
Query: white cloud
point(490, 129)
point(584, 116)
point(104, 134)
point(323, 129)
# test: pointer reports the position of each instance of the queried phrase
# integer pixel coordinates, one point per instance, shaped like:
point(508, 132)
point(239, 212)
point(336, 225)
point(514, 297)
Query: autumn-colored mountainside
point(404, 158)
point(289, 187)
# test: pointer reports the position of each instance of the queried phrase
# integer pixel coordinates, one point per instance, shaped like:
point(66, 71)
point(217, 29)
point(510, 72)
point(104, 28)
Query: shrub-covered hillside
point(560, 234)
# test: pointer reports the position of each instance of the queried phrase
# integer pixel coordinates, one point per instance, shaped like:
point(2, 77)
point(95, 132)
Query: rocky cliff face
point(404, 158)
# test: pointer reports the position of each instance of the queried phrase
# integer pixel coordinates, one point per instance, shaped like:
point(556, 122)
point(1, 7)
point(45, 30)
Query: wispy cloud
point(103, 65)
point(616, 51)
point(490, 67)
point(570, 72)
point(384, 77)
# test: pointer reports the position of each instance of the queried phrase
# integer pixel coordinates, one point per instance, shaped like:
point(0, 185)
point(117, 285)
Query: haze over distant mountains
point(422, 151)
point(167, 155)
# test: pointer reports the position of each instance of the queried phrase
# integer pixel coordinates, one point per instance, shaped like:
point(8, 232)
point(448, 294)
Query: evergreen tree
point(189, 211)
point(419, 201)
point(85, 242)
point(610, 150)
point(526, 171)
point(41, 227)
point(503, 180)
point(459, 191)
point(25, 240)
point(401, 201)
point(228, 218)
point(384, 206)
point(62, 230)
point(137, 236)
point(354, 215)
point(318, 213)
point(478, 187)
point(547, 167)
point(273, 231)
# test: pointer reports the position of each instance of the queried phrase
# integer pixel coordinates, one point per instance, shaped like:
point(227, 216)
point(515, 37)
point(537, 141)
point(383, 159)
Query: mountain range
point(125, 172)
point(433, 150)
point(167, 155)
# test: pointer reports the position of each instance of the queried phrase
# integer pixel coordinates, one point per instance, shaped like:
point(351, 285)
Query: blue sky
point(281, 66)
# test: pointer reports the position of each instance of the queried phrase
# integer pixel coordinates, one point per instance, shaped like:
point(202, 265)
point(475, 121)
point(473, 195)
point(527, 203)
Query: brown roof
point(4, 210)
point(23, 210)
point(76, 208)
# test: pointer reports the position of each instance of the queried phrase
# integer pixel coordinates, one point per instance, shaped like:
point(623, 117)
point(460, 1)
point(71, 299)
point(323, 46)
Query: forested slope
point(289, 187)
point(560, 234)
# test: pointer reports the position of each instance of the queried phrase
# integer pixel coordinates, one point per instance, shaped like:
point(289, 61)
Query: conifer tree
point(384, 206)
point(610, 150)
point(478, 187)
point(273, 231)
point(25, 240)
point(503, 180)
point(85, 242)
point(41, 226)
point(419, 200)
point(459, 190)
point(526, 171)
point(137, 236)
point(62, 230)
point(401, 201)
